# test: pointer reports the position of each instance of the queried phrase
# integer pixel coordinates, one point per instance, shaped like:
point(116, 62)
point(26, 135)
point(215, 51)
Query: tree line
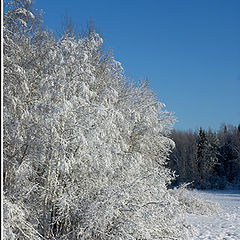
point(207, 159)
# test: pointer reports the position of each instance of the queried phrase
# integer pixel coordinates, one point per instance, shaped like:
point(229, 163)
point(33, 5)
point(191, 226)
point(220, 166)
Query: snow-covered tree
point(84, 147)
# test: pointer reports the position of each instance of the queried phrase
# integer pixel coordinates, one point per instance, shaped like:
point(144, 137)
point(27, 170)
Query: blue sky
point(188, 49)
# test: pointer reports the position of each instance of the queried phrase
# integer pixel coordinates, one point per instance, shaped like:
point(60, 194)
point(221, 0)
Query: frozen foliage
point(15, 223)
point(84, 148)
point(193, 203)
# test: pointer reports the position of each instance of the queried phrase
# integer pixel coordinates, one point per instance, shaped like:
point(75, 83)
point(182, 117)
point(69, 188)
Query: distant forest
point(207, 159)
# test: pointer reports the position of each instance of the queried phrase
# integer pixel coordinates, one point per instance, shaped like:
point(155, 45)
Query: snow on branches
point(84, 148)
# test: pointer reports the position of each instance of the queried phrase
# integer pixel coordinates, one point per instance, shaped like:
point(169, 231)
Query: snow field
point(224, 225)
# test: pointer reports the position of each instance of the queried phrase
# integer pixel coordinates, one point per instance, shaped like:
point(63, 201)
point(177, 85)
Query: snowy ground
point(221, 226)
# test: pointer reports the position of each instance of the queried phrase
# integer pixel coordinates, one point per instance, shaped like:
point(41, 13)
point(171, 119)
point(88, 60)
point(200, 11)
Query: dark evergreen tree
point(202, 155)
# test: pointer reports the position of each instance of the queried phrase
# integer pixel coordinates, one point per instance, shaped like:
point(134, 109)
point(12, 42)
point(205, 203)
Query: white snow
point(224, 225)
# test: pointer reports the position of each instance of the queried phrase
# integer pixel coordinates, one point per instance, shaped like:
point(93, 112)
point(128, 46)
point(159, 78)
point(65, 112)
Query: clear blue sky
point(188, 49)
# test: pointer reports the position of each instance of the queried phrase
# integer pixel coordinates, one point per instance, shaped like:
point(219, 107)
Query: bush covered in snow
point(193, 203)
point(84, 147)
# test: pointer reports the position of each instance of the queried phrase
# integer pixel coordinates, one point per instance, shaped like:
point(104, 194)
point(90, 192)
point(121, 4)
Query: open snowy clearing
point(224, 225)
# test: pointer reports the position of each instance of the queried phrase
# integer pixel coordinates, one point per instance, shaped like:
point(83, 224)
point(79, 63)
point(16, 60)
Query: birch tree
point(85, 148)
